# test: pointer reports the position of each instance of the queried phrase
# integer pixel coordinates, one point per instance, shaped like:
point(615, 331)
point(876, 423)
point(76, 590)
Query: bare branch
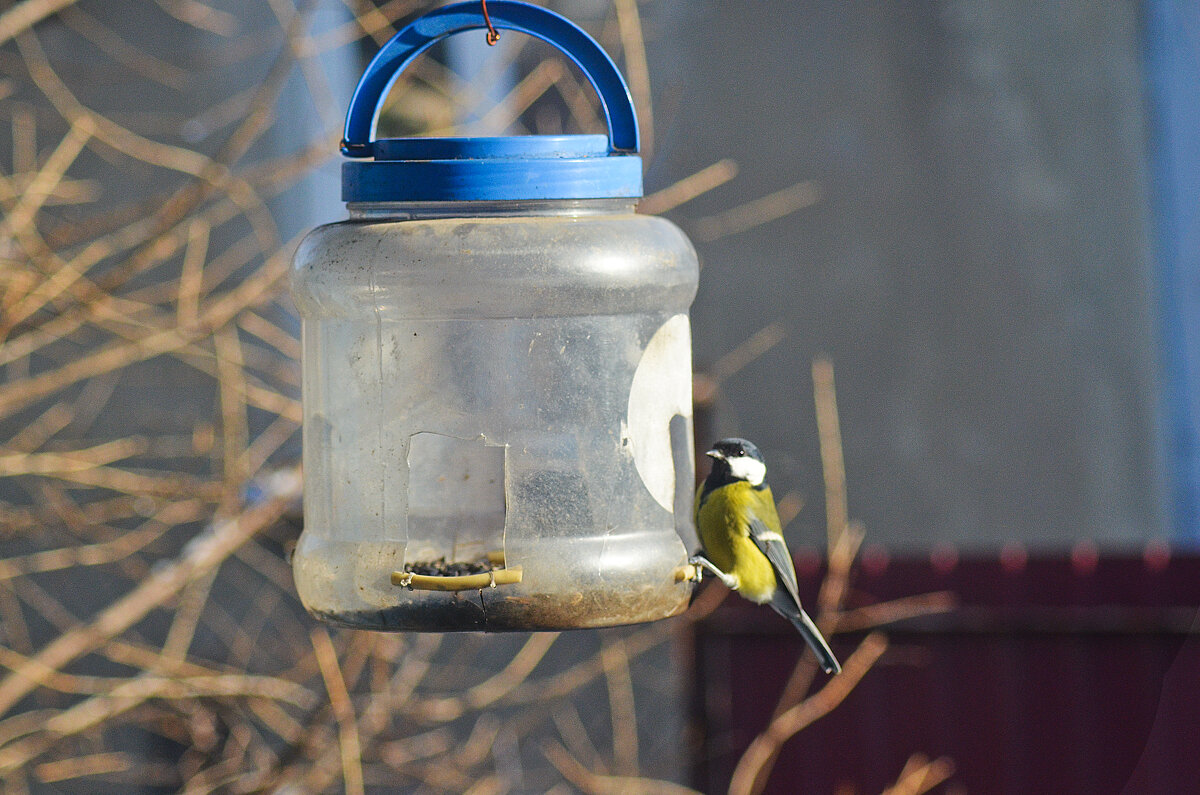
point(25, 15)
point(748, 775)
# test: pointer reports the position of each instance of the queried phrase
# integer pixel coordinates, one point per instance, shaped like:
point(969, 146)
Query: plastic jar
point(497, 372)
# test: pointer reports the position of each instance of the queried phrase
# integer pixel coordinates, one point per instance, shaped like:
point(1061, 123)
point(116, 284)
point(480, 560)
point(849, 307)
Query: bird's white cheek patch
point(662, 391)
point(746, 468)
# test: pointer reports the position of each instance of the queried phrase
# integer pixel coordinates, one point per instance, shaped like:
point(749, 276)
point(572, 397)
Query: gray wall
point(977, 264)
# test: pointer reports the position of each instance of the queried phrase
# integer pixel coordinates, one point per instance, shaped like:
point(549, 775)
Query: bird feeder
point(497, 370)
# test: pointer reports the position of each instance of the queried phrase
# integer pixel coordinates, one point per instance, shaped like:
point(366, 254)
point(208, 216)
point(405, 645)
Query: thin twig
point(760, 211)
point(921, 775)
point(689, 188)
point(765, 747)
point(201, 556)
point(633, 44)
point(833, 464)
point(622, 710)
point(25, 15)
point(594, 784)
point(343, 711)
point(736, 360)
point(80, 766)
point(877, 615)
point(498, 686)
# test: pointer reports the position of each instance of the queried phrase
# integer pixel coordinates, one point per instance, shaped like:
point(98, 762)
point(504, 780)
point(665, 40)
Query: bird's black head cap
point(726, 467)
point(734, 447)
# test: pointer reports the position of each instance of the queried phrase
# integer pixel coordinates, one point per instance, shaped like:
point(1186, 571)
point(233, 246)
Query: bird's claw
point(701, 563)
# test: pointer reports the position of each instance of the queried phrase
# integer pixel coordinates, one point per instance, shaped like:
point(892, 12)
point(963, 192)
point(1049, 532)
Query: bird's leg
point(701, 562)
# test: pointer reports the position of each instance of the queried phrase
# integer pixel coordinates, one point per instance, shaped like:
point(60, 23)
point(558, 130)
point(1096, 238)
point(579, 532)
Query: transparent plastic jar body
point(484, 377)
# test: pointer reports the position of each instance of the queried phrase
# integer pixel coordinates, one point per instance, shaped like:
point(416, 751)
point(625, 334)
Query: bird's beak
point(716, 454)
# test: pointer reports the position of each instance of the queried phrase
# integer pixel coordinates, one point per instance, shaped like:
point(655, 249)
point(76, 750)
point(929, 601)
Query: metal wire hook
point(493, 35)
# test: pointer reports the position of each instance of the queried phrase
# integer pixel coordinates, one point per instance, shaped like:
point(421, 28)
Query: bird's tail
point(815, 640)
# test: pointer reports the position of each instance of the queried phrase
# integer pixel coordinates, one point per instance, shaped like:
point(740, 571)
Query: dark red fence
point(1074, 675)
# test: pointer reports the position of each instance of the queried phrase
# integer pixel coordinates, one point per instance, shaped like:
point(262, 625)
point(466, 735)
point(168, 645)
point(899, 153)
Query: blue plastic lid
point(491, 169)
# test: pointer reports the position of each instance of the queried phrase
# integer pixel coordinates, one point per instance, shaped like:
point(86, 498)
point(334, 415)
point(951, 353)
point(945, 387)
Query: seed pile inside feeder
point(456, 568)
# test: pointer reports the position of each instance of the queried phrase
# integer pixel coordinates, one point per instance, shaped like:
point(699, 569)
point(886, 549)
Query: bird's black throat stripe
point(722, 476)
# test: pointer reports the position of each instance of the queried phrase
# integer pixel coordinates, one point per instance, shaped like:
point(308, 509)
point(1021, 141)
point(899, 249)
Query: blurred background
point(980, 215)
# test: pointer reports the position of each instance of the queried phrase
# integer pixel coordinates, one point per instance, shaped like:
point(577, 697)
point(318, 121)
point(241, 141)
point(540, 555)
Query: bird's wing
point(787, 599)
point(771, 544)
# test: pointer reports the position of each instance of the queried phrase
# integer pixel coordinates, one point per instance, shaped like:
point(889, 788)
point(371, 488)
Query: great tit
point(743, 540)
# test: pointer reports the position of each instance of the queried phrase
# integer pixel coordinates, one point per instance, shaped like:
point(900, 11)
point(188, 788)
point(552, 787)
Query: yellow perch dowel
point(466, 582)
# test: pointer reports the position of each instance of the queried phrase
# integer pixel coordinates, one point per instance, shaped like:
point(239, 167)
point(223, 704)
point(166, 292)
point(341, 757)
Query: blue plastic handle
point(533, 20)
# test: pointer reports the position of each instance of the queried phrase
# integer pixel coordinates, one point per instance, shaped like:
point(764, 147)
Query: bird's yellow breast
point(722, 521)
